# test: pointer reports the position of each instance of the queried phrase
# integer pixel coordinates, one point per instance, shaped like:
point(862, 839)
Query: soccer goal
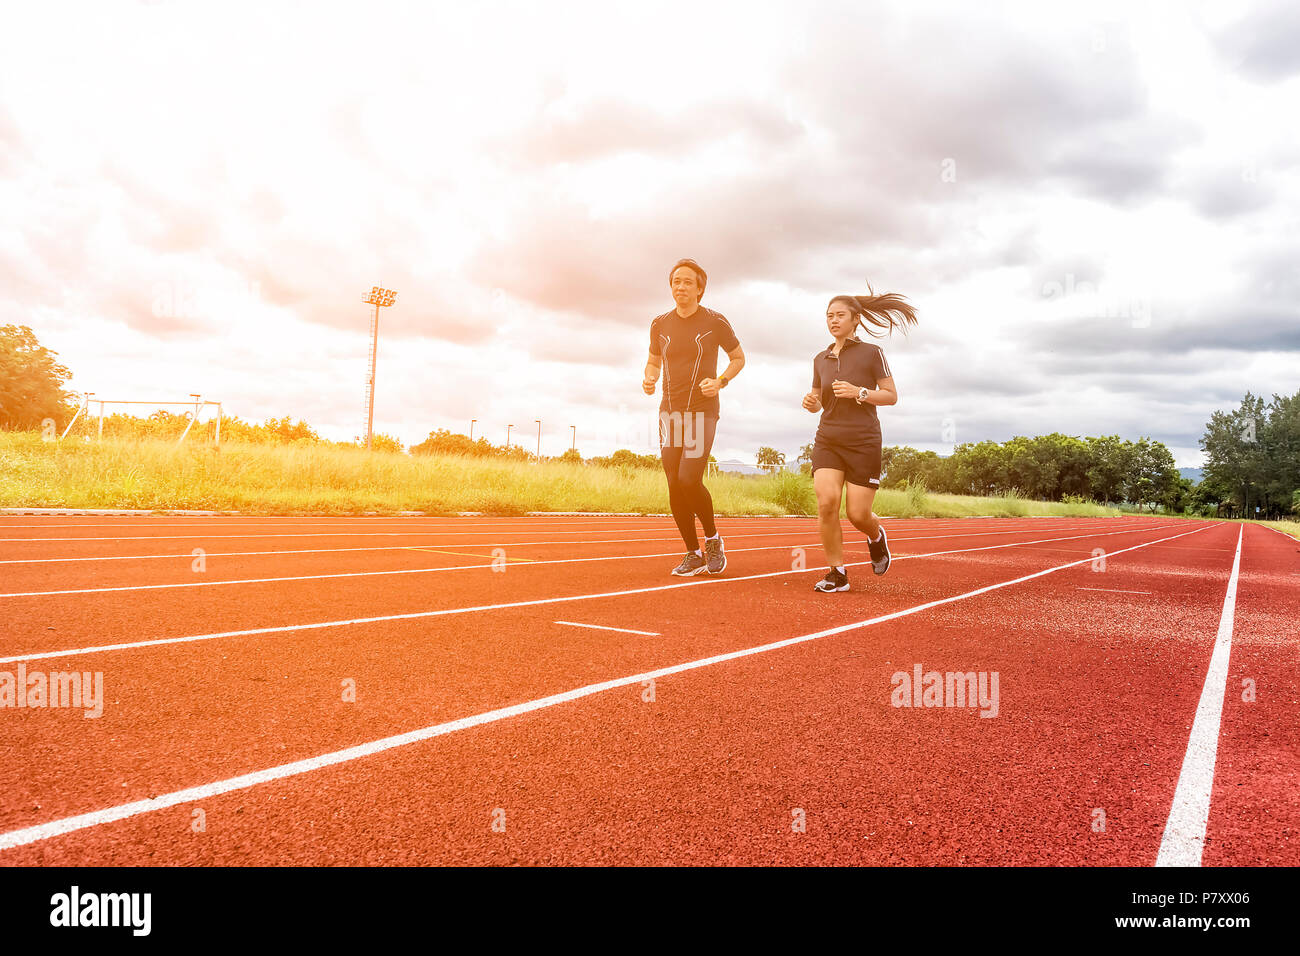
point(194, 408)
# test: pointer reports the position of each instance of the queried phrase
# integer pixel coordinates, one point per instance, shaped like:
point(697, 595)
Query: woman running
point(850, 378)
point(685, 342)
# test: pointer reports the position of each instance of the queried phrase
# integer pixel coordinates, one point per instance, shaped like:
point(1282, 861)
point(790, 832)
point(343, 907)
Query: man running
point(685, 343)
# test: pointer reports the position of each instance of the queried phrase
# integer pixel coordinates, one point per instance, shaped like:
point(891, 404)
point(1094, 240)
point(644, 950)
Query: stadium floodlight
point(471, 428)
point(508, 427)
point(378, 298)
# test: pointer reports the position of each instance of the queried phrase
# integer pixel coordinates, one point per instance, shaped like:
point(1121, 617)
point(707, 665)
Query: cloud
point(1265, 43)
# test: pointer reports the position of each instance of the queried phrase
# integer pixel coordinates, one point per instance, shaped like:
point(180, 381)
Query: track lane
point(1255, 803)
point(116, 619)
point(581, 658)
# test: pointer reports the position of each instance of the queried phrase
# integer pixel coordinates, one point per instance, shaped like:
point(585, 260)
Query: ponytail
point(886, 311)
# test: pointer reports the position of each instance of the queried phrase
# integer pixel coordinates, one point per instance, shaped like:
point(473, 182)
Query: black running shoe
point(714, 556)
point(692, 563)
point(880, 553)
point(834, 581)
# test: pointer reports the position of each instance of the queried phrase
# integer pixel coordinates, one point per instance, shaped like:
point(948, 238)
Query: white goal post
point(196, 402)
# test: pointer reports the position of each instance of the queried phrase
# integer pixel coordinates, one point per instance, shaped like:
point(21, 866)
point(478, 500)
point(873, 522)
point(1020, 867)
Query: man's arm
point(651, 376)
point(710, 386)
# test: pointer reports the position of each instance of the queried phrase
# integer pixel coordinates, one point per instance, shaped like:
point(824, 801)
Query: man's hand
point(844, 389)
point(710, 387)
point(648, 385)
point(813, 401)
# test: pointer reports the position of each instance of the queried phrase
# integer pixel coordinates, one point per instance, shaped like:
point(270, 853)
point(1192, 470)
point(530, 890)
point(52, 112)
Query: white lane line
point(602, 627)
point(1113, 590)
point(354, 534)
point(298, 534)
point(44, 831)
point(416, 615)
point(428, 547)
point(367, 574)
point(1184, 837)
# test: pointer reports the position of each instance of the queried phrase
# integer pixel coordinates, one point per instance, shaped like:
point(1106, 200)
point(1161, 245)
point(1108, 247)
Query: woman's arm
point(883, 394)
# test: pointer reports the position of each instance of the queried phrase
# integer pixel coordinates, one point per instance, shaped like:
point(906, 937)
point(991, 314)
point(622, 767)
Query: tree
point(444, 442)
point(627, 459)
point(805, 459)
point(770, 458)
point(380, 442)
point(980, 469)
point(1234, 453)
point(907, 465)
point(1111, 462)
point(571, 455)
point(31, 382)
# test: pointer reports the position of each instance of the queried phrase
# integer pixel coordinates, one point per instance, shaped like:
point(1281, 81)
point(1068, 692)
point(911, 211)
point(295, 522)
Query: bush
point(916, 495)
point(792, 492)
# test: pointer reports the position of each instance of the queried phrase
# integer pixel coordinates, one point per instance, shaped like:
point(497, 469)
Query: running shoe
point(834, 581)
point(714, 556)
point(880, 553)
point(692, 563)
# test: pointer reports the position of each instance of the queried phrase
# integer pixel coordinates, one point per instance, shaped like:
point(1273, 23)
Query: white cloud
point(522, 174)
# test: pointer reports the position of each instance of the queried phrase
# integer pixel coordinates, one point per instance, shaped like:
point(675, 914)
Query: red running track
point(256, 694)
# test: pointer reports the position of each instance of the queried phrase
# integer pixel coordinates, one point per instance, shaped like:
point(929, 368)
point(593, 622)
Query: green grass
point(309, 478)
point(1286, 527)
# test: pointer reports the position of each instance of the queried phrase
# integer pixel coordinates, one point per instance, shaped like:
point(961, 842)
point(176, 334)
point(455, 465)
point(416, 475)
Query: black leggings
point(685, 441)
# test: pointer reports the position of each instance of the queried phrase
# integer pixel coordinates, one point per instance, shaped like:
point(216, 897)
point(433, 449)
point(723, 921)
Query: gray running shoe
point(715, 557)
point(880, 553)
point(834, 581)
point(691, 564)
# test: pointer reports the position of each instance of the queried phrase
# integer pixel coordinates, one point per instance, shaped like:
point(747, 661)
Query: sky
point(1095, 208)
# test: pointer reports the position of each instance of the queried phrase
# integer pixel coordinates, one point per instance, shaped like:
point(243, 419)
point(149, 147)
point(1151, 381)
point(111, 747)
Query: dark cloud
point(851, 187)
point(1229, 192)
point(1265, 43)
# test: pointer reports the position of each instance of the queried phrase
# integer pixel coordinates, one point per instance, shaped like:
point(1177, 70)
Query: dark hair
point(695, 267)
point(885, 311)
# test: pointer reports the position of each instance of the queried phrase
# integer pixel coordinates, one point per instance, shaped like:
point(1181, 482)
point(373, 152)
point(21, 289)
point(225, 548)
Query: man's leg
point(679, 501)
point(699, 434)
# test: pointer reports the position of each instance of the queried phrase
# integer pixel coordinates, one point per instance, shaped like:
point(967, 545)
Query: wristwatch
point(862, 394)
point(722, 381)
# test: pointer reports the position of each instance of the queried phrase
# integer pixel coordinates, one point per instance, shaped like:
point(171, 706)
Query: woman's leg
point(829, 485)
point(860, 500)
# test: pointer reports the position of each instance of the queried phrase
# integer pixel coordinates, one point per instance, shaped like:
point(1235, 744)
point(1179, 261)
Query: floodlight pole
point(377, 297)
point(508, 427)
point(574, 446)
point(471, 429)
point(539, 438)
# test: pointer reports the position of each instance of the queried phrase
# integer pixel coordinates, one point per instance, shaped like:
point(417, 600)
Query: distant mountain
point(749, 468)
point(1192, 473)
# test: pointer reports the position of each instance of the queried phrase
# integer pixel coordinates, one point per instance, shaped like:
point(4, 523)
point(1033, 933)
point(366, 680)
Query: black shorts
point(859, 462)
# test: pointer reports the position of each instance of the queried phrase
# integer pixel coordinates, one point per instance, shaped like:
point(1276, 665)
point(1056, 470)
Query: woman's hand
point(844, 389)
point(813, 401)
